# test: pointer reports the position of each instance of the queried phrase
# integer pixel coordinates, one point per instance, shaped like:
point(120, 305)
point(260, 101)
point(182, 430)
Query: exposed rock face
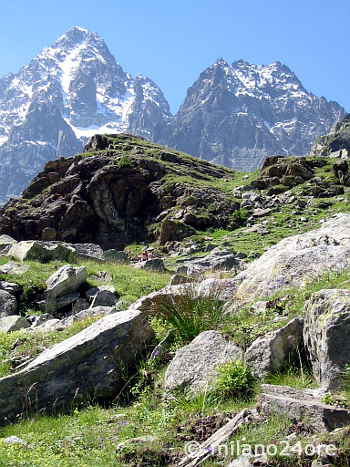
point(69, 92)
point(90, 364)
point(8, 304)
point(13, 323)
point(114, 195)
point(326, 335)
point(303, 404)
point(271, 352)
point(39, 251)
point(238, 114)
point(336, 143)
point(194, 366)
point(297, 259)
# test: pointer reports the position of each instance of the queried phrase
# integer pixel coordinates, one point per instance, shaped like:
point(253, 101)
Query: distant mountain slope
point(237, 114)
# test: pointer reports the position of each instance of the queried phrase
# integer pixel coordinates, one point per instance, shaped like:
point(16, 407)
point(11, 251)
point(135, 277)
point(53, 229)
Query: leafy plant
point(234, 380)
point(124, 162)
point(239, 217)
point(328, 399)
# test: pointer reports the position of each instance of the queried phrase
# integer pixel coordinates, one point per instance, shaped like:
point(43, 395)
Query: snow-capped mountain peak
point(81, 89)
point(237, 114)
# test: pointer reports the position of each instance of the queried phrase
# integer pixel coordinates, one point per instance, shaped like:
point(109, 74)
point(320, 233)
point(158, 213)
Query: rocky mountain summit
point(69, 92)
point(237, 114)
point(234, 115)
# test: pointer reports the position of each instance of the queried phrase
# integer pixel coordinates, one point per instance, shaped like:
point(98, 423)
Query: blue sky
point(173, 41)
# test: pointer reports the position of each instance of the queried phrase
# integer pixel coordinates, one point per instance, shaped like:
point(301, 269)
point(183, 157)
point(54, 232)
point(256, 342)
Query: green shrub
point(234, 380)
point(239, 218)
point(124, 162)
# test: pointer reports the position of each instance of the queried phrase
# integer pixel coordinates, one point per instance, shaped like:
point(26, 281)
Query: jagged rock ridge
point(237, 114)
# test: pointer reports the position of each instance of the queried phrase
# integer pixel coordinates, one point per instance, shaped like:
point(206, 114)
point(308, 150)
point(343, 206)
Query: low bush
point(234, 380)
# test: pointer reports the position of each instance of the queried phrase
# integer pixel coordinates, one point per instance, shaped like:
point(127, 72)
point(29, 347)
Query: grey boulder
point(272, 351)
point(13, 268)
point(297, 259)
point(194, 366)
point(87, 250)
point(13, 323)
point(217, 260)
point(155, 264)
point(64, 282)
point(41, 251)
point(6, 243)
point(303, 404)
point(8, 304)
point(326, 335)
point(88, 365)
point(104, 295)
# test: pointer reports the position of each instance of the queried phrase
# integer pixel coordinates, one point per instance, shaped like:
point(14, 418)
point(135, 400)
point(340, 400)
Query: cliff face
point(336, 143)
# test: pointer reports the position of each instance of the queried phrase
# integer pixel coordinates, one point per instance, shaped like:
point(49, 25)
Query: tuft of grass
point(293, 376)
point(189, 314)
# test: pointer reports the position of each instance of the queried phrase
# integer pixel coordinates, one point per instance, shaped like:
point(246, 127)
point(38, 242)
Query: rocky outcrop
point(91, 364)
point(194, 366)
point(336, 143)
point(126, 190)
point(298, 259)
point(326, 335)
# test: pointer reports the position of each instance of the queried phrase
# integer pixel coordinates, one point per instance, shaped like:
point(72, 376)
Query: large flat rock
point(297, 259)
point(90, 365)
point(303, 404)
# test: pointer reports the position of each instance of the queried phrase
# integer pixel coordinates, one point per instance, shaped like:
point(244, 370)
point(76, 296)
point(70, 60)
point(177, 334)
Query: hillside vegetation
point(210, 226)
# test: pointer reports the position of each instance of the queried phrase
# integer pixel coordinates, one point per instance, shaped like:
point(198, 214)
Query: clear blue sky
point(173, 41)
